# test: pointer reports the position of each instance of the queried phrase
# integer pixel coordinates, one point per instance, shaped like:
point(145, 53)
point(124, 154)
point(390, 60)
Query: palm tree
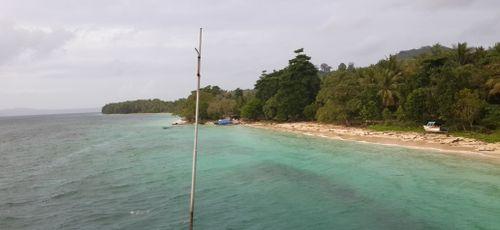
point(463, 53)
point(368, 78)
point(388, 84)
point(493, 86)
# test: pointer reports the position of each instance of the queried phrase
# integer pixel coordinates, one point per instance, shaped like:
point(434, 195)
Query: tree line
point(138, 106)
point(459, 86)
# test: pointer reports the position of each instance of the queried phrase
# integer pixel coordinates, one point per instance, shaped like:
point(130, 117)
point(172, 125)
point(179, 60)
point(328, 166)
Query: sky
point(65, 54)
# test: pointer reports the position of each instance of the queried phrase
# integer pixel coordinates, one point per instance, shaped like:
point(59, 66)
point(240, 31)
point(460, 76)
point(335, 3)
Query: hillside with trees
point(458, 86)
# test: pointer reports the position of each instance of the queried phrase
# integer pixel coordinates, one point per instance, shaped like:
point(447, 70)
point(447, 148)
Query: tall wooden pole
point(195, 148)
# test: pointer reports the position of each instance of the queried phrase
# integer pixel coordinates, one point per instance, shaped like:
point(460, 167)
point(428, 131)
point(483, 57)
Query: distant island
point(457, 86)
point(31, 111)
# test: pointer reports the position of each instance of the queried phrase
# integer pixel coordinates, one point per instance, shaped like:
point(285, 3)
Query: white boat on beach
point(179, 122)
point(434, 127)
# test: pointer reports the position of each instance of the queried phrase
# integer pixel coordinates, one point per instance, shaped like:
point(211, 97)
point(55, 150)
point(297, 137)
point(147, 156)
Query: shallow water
point(93, 171)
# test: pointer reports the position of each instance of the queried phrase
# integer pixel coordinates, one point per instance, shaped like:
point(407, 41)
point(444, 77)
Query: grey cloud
point(29, 43)
point(120, 49)
point(447, 3)
point(435, 4)
point(487, 28)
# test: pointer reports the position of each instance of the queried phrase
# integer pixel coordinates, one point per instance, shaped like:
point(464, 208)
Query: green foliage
point(388, 86)
point(416, 106)
point(342, 67)
point(215, 103)
point(339, 97)
point(138, 106)
point(429, 84)
point(330, 112)
point(252, 110)
point(188, 109)
point(491, 119)
point(223, 107)
point(493, 137)
point(400, 113)
point(370, 111)
point(286, 93)
point(267, 85)
point(310, 111)
point(387, 114)
point(468, 106)
point(459, 86)
point(270, 108)
point(462, 53)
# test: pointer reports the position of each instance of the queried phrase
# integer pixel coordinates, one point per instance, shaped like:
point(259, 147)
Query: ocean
point(93, 171)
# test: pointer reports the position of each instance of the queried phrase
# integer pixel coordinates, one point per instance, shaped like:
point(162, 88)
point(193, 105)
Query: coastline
point(415, 140)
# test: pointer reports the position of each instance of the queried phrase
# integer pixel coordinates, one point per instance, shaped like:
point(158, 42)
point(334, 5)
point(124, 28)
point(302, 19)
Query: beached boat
point(179, 122)
point(434, 127)
point(224, 122)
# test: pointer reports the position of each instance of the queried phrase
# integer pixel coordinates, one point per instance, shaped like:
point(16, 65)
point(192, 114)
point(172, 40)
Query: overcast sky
point(60, 54)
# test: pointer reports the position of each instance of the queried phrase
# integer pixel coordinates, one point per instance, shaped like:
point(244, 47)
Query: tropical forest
point(458, 87)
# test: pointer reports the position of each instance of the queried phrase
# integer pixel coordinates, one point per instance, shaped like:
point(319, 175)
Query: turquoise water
point(93, 171)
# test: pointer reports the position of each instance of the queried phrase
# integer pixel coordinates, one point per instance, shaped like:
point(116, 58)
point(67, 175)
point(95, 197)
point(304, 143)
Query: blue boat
point(224, 122)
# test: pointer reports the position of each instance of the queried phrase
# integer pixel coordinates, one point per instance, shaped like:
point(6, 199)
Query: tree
point(388, 83)
point(287, 92)
point(270, 108)
point(463, 53)
point(493, 86)
point(325, 68)
point(370, 111)
point(139, 106)
point(458, 86)
point(400, 113)
point(331, 112)
point(188, 110)
point(491, 119)
point(310, 111)
point(339, 98)
point(342, 67)
point(351, 67)
point(416, 107)
point(267, 85)
point(252, 110)
point(387, 114)
point(238, 94)
point(221, 108)
point(468, 107)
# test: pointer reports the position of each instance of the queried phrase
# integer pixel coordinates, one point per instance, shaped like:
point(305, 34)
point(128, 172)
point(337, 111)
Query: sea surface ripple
point(93, 171)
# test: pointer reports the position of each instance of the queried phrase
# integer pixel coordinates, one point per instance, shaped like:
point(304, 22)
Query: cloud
point(26, 43)
point(72, 53)
point(446, 3)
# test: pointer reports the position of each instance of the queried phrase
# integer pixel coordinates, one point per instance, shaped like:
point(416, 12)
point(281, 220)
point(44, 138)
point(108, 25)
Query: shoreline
point(440, 142)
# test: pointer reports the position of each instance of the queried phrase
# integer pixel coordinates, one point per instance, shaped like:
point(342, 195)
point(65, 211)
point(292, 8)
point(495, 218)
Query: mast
point(195, 148)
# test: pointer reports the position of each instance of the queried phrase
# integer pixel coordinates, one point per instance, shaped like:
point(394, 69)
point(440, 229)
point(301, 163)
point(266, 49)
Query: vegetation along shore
point(457, 86)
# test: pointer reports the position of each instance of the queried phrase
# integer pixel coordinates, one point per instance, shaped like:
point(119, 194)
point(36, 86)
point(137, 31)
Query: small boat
point(224, 122)
point(434, 127)
point(179, 122)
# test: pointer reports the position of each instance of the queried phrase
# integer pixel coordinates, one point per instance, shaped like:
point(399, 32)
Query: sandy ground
point(442, 142)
